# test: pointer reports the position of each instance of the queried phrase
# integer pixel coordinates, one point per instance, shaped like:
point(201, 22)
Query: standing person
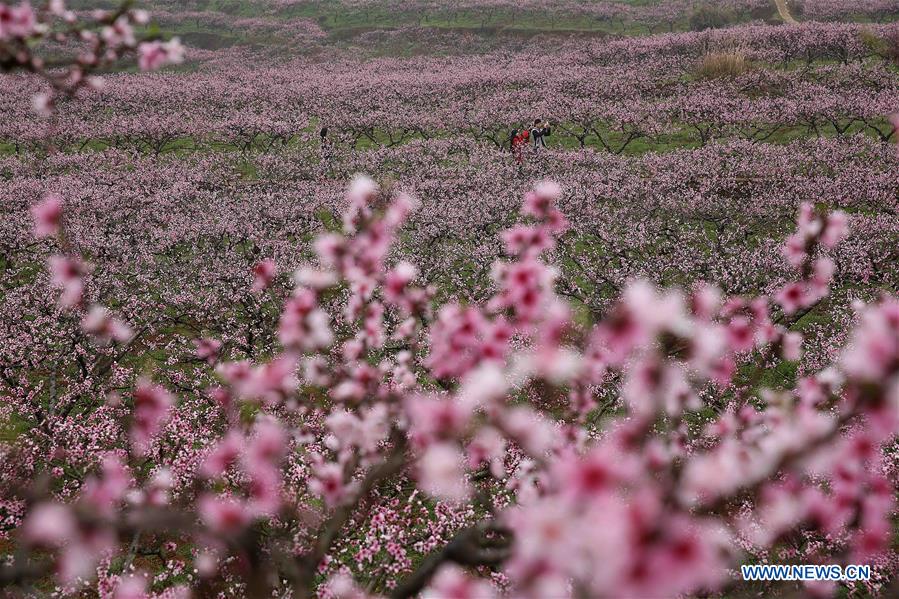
point(512, 137)
point(518, 145)
point(539, 132)
point(324, 138)
point(326, 151)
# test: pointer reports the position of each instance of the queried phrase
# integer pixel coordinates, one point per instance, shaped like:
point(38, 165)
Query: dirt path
point(785, 12)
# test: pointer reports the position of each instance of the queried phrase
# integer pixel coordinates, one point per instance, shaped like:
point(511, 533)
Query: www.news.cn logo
point(805, 572)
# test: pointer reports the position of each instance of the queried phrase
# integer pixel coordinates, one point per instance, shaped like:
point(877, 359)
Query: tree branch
point(470, 547)
point(327, 535)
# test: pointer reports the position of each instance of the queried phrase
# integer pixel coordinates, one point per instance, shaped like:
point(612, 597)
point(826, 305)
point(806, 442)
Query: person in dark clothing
point(539, 132)
point(325, 143)
point(326, 151)
point(512, 137)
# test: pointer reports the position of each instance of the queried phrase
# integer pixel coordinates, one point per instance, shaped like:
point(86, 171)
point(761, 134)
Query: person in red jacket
point(518, 144)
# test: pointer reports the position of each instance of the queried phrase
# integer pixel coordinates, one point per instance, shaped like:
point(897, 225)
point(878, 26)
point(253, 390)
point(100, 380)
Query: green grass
point(341, 21)
point(11, 428)
point(678, 137)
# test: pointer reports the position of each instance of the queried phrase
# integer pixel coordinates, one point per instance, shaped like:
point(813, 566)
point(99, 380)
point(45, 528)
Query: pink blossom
point(327, 483)
point(808, 223)
point(544, 530)
point(99, 323)
point(264, 491)
point(575, 426)
point(487, 447)
point(463, 336)
point(350, 430)
point(342, 586)
point(791, 346)
point(303, 324)
point(274, 381)
point(482, 386)
point(524, 239)
point(132, 587)
point(66, 273)
point(397, 280)
point(400, 209)
point(795, 250)
point(263, 275)
point(155, 55)
point(151, 407)
point(537, 203)
point(819, 285)
point(237, 374)
point(529, 429)
point(271, 382)
point(526, 288)
point(835, 229)
point(119, 33)
point(792, 297)
point(433, 418)
point(223, 515)
point(208, 349)
point(314, 278)
point(206, 564)
point(451, 582)
point(50, 525)
point(740, 336)
point(223, 455)
point(441, 473)
point(266, 447)
point(362, 190)
point(43, 105)
point(17, 21)
point(47, 215)
point(585, 477)
point(106, 492)
point(874, 347)
point(705, 301)
point(556, 223)
point(78, 560)
point(330, 249)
